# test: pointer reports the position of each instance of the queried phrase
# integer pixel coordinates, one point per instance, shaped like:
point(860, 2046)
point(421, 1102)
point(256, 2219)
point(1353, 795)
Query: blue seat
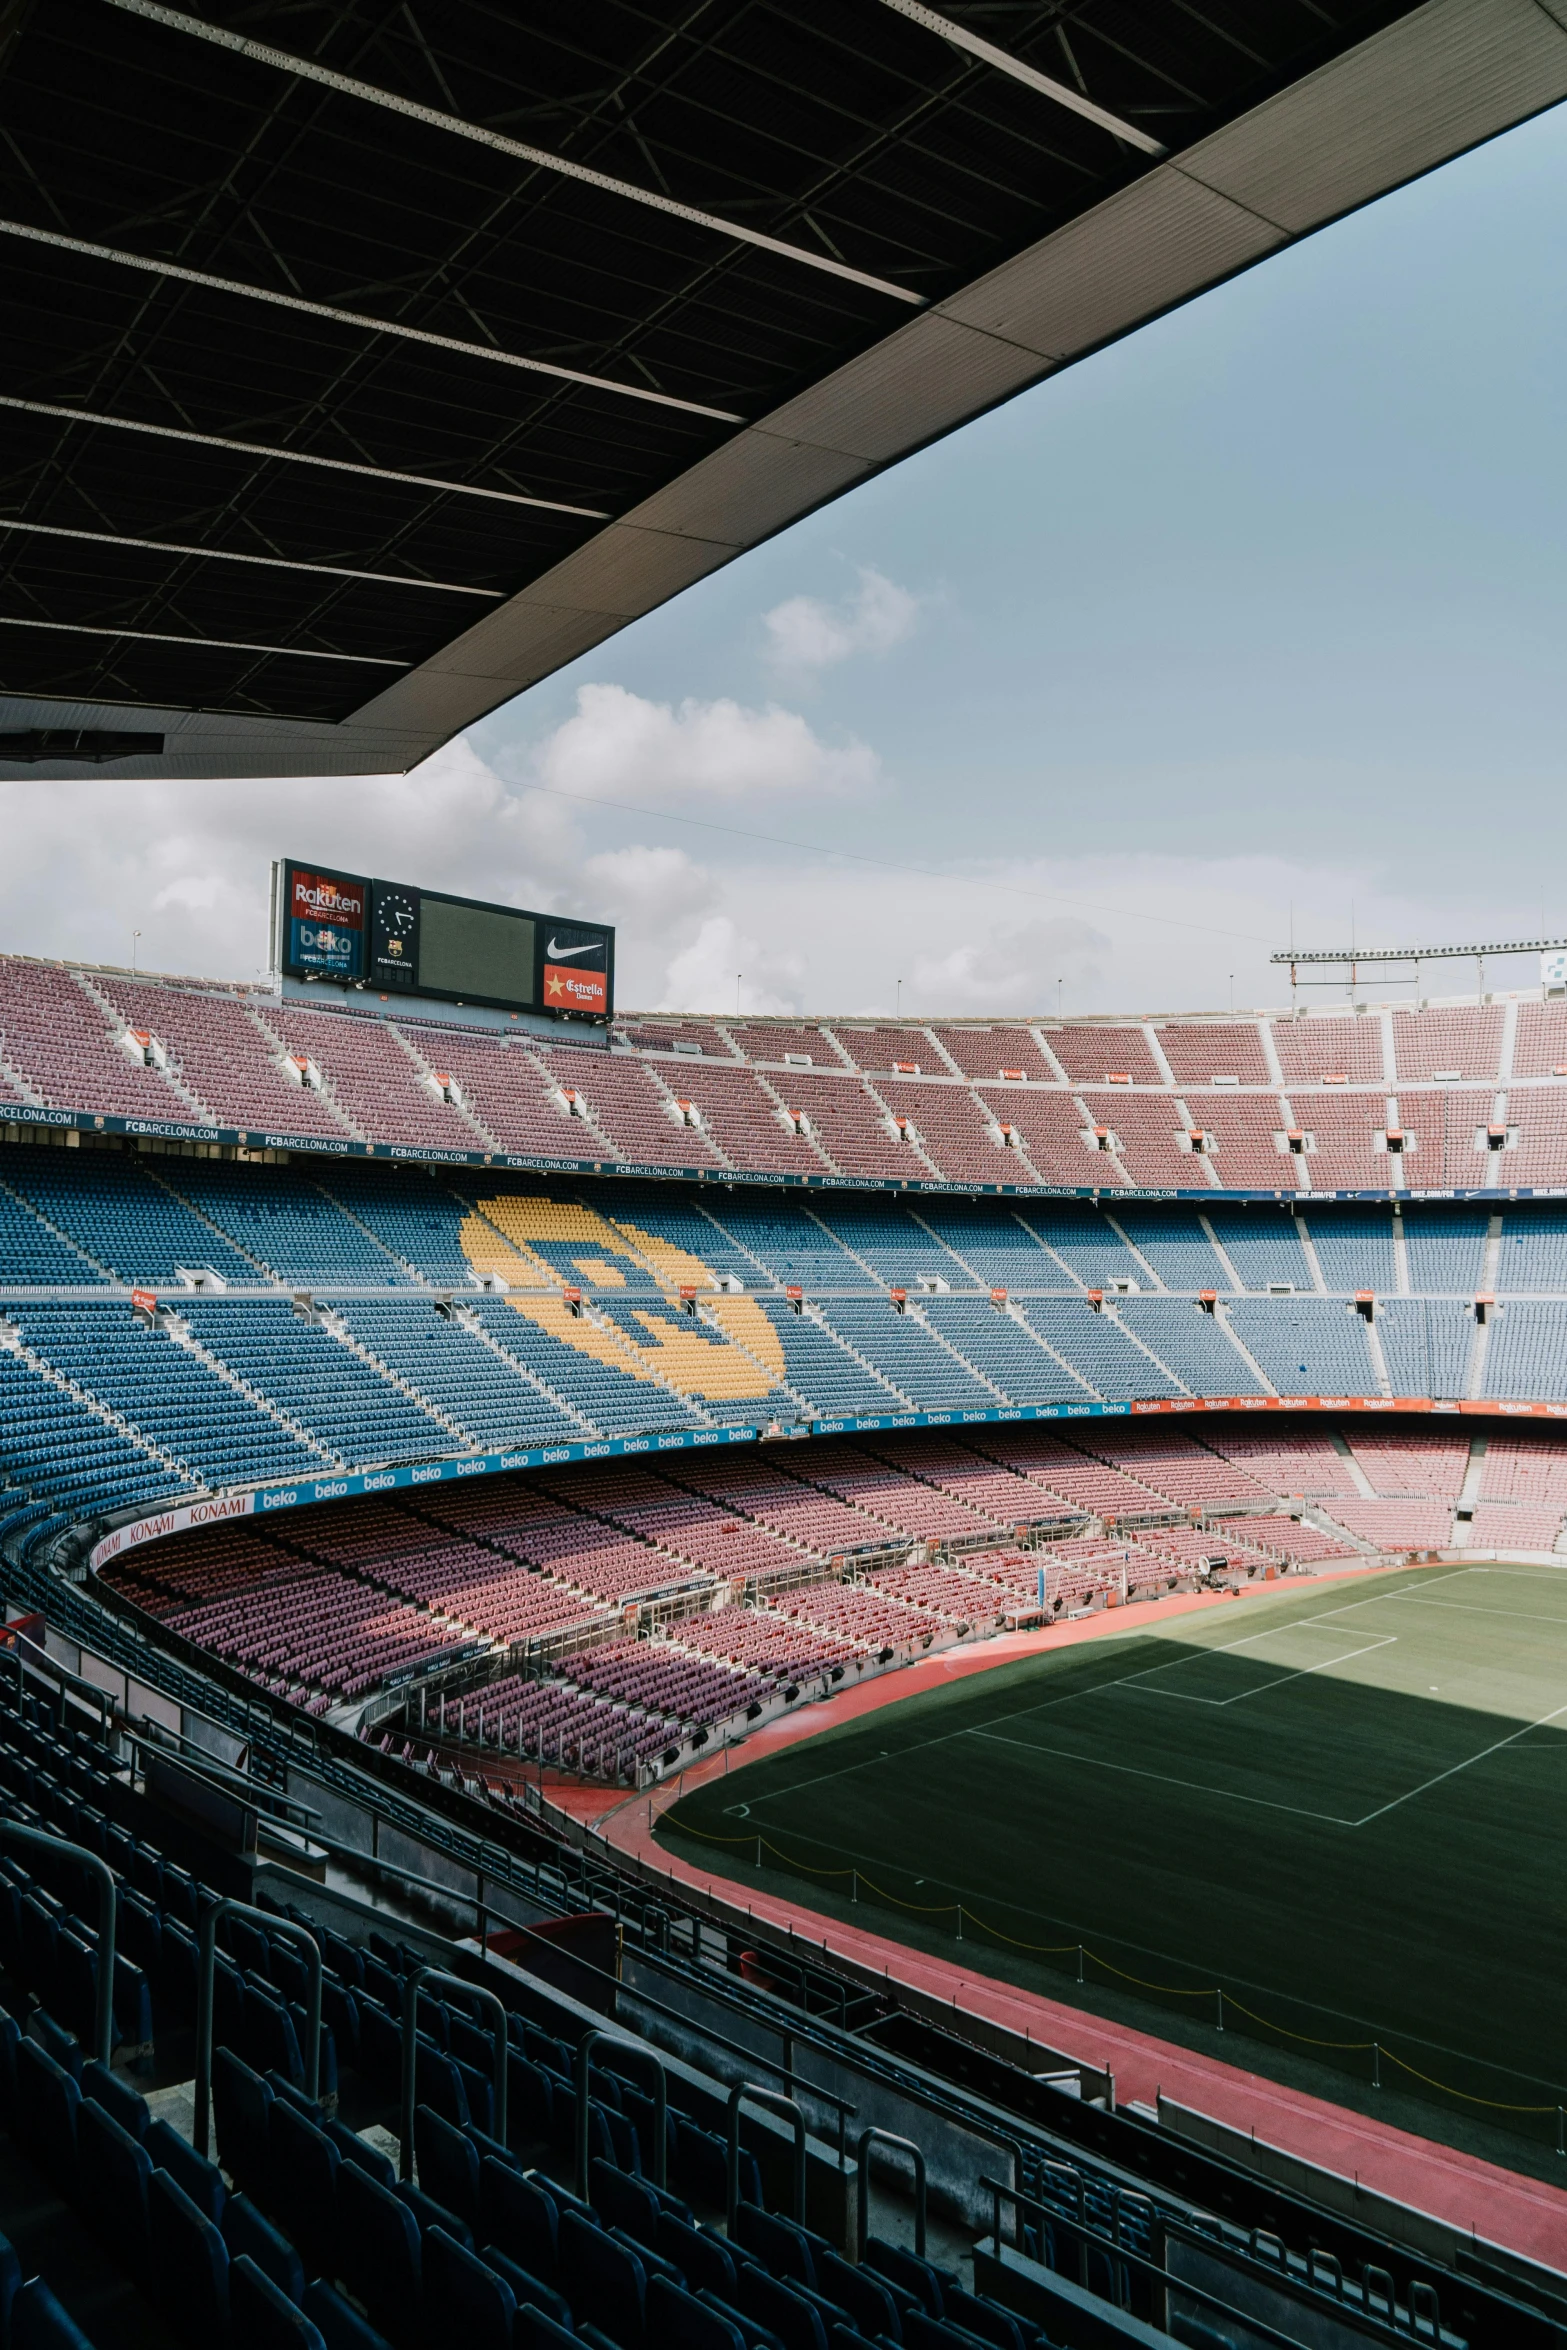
point(783, 2247)
point(189, 2263)
point(340, 2327)
point(448, 2164)
point(242, 2103)
point(200, 2179)
point(38, 2322)
point(261, 2315)
point(378, 2248)
point(783, 2309)
point(519, 2216)
point(353, 2149)
point(47, 2099)
point(10, 2284)
point(677, 2318)
point(248, 2232)
point(922, 2278)
point(117, 2097)
point(429, 2214)
point(984, 2319)
point(704, 2260)
point(528, 2291)
point(861, 2292)
point(623, 2202)
point(305, 2162)
point(467, 2306)
point(113, 2172)
point(605, 2283)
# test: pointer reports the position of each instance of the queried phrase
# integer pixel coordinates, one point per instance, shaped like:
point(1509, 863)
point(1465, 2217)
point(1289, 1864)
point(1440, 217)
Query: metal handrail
point(645, 2056)
point(483, 1907)
point(207, 1967)
point(411, 1983)
point(876, 2137)
point(1165, 2280)
point(16, 1832)
point(661, 2102)
point(779, 2105)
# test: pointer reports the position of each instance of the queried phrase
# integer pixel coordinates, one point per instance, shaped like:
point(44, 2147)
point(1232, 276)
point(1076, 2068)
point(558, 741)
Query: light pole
point(135, 943)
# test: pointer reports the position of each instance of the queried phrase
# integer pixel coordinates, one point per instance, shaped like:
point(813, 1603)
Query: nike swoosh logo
point(564, 954)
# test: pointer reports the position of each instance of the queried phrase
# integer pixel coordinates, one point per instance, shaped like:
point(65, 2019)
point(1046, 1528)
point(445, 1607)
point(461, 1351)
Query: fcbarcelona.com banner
point(527, 1163)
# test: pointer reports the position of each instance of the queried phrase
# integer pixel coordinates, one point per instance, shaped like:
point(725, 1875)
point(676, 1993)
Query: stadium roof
point(363, 365)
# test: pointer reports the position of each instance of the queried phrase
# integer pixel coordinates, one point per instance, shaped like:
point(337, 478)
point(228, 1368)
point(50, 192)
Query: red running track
point(1470, 2194)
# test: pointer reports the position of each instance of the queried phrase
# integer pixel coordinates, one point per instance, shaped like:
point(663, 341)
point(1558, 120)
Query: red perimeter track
point(1469, 2194)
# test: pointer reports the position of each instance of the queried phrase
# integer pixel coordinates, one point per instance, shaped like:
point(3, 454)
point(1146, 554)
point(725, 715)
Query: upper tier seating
point(1344, 1128)
point(746, 1125)
point(1244, 1131)
point(62, 1049)
point(373, 1079)
point(1147, 1137)
point(988, 1052)
point(956, 1141)
point(1540, 1043)
point(223, 1055)
point(851, 1127)
point(625, 1103)
point(1327, 1045)
point(1091, 1056)
point(1444, 1037)
point(1433, 1461)
point(1199, 1051)
point(1055, 1134)
point(773, 1044)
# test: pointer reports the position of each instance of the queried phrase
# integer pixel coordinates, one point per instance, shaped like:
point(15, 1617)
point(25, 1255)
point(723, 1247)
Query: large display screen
point(351, 930)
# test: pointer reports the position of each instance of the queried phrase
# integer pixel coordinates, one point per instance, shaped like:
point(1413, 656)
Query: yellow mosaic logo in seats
point(743, 1358)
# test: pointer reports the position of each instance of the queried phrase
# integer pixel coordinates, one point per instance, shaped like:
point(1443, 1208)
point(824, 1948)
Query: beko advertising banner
point(401, 940)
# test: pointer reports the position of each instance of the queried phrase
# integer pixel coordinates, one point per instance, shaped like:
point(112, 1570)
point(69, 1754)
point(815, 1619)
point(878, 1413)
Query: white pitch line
point(1258, 1688)
point(1163, 1779)
point(1453, 1772)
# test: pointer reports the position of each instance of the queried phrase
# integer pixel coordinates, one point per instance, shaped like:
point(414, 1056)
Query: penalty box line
point(1258, 1688)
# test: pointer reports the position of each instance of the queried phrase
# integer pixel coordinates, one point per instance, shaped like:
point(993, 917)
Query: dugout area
point(1330, 1820)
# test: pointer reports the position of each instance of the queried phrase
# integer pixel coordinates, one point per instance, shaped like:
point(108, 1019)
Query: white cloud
point(725, 969)
point(621, 746)
point(805, 633)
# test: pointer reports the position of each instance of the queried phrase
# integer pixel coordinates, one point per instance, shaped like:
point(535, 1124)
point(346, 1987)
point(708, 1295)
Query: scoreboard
point(353, 931)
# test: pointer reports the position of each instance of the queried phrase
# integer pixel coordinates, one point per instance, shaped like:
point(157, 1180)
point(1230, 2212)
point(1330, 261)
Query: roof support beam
point(212, 440)
point(209, 644)
point(986, 51)
point(113, 538)
point(540, 158)
point(353, 318)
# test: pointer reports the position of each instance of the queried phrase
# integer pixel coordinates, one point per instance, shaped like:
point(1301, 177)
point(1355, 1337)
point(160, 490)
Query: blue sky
point(1262, 608)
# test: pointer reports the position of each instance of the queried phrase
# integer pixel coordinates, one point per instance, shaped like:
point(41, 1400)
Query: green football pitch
point(1345, 1807)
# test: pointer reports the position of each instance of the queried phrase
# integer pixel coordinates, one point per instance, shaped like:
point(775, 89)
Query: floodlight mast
point(1352, 958)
